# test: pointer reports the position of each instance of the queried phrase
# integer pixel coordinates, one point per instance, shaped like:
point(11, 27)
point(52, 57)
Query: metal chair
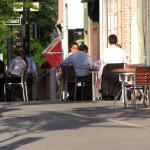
point(17, 81)
point(84, 82)
point(69, 77)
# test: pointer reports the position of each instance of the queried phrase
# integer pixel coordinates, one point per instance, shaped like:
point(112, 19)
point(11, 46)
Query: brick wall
point(119, 22)
point(126, 25)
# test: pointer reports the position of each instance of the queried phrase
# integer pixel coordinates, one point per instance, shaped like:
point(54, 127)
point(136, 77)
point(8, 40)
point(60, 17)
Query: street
point(47, 125)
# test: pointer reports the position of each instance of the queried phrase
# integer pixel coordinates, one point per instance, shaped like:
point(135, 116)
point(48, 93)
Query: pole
point(9, 47)
point(52, 84)
point(26, 33)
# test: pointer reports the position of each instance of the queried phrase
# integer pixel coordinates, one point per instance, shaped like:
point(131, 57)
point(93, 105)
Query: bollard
point(53, 84)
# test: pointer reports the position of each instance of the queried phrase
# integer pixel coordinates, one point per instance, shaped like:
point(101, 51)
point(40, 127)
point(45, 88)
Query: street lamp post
point(26, 29)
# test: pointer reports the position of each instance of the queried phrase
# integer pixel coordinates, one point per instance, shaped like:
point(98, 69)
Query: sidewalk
point(47, 125)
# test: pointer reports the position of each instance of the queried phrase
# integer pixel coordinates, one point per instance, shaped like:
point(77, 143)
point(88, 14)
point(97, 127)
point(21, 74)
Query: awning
point(53, 53)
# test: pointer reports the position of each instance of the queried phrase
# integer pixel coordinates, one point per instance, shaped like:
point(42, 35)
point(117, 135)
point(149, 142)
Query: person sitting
point(43, 87)
point(82, 63)
point(16, 69)
point(73, 49)
point(113, 57)
point(17, 65)
point(83, 47)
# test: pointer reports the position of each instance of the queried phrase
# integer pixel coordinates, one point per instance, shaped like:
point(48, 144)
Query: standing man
point(31, 78)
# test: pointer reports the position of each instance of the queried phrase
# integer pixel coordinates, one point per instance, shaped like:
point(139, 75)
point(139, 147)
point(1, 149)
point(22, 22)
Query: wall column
point(103, 26)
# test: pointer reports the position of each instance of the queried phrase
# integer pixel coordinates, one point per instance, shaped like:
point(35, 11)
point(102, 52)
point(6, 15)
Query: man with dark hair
point(17, 65)
point(114, 54)
point(113, 57)
point(81, 63)
point(112, 39)
point(73, 48)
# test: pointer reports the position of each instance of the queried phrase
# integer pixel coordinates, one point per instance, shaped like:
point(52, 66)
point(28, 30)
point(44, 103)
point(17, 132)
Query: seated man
point(81, 62)
point(111, 55)
point(110, 85)
point(17, 65)
point(16, 70)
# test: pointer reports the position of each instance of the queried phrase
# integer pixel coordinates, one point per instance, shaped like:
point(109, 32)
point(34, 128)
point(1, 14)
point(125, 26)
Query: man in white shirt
point(113, 57)
point(114, 54)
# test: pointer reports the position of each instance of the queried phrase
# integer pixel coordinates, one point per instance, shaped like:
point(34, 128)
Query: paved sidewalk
point(46, 125)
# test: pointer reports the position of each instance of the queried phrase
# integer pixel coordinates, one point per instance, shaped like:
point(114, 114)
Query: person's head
point(46, 65)
point(15, 53)
point(22, 54)
point(112, 39)
point(74, 47)
point(83, 48)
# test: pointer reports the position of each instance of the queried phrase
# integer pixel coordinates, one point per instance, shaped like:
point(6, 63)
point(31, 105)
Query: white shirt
point(111, 55)
point(114, 54)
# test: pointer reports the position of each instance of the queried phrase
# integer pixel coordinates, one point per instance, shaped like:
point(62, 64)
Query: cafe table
point(126, 76)
point(96, 84)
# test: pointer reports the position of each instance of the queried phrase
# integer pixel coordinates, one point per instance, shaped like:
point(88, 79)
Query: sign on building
point(18, 6)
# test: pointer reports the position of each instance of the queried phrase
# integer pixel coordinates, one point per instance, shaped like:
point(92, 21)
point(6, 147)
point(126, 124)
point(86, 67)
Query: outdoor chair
point(84, 83)
point(137, 81)
point(110, 85)
point(67, 78)
point(13, 83)
point(74, 84)
point(141, 81)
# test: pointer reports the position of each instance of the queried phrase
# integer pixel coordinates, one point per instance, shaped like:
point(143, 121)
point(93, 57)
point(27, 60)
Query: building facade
point(71, 22)
point(128, 19)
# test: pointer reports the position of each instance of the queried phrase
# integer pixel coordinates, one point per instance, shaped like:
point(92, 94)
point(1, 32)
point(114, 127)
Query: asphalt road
point(46, 125)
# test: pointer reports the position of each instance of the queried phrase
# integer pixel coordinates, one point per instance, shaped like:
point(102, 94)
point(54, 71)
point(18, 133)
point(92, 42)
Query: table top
point(124, 70)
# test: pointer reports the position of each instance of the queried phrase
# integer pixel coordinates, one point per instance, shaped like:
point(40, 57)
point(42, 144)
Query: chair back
point(68, 73)
point(142, 76)
point(110, 85)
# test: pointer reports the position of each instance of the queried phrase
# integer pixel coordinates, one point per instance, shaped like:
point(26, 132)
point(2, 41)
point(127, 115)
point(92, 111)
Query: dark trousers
point(110, 85)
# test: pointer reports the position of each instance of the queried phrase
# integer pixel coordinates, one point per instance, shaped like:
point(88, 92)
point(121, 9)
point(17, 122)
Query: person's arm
point(90, 61)
point(66, 62)
point(34, 69)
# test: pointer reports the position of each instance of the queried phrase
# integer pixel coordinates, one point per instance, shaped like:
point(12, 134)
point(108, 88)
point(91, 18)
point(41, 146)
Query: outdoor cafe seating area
point(133, 79)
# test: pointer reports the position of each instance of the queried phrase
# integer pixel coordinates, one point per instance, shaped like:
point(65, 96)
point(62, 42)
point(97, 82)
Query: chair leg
point(26, 92)
point(134, 99)
point(82, 90)
point(23, 92)
point(66, 90)
point(75, 90)
point(5, 92)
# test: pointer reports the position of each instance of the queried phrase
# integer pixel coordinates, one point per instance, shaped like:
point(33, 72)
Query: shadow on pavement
point(74, 118)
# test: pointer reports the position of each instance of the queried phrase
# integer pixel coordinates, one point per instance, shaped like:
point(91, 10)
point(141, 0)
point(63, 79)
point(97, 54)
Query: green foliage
point(45, 18)
point(36, 51)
